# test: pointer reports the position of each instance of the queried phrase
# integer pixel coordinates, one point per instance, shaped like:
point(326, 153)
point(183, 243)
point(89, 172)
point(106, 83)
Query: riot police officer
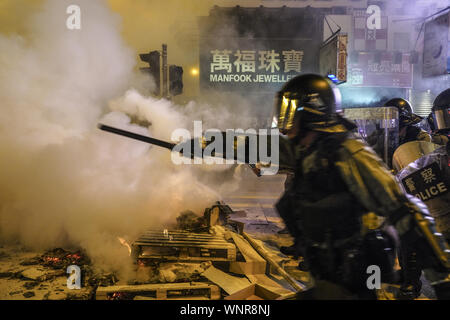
point(441, 118)
point(337, 180)
point(408, 128)
point(409, 131)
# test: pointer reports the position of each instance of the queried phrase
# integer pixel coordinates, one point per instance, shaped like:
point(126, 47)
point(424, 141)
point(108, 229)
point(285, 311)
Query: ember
point(119, 296)
point(60, 258)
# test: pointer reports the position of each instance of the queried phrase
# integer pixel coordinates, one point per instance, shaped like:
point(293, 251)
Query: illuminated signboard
point(256, 50)
point(333, 58)
point(383, 69)
point(255, 66)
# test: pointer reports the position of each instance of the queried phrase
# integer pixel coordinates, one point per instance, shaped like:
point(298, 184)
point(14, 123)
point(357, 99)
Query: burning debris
point(60, 259)
point(189, 221)
point(181, 263)
point(28, 275)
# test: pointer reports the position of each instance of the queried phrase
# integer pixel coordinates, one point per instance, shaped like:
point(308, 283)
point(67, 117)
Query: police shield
point(410, 152)
point(427, 178)
point(378, 127)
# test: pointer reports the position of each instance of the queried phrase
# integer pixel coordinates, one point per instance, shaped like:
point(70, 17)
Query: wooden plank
point(254, 292)
point(155, 243)
point(296, 285)
point(146, 237)
point(254, 263)
point(161, 290)
point(164, 237)
point(181, 234)
point(246, 249)
point(230, 284)
point(269, 283)
point(186, 255)
point(175, 240)
point(194, 245)
point(183, 259)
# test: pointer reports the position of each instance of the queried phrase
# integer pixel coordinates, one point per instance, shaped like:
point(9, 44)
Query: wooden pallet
point(183, 246)
point(160, 291)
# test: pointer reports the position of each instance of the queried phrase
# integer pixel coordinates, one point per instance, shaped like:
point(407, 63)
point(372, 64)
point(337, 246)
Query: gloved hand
point(426, 256)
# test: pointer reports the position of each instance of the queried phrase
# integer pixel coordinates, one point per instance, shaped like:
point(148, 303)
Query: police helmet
point(441, 110)
point(401, 104)
point(309, 101)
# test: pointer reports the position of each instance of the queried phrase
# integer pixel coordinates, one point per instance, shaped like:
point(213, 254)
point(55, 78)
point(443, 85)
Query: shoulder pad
point(353, 145)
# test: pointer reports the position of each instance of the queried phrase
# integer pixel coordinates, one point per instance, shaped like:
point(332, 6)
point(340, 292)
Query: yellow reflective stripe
point(313, 111)
point(332, 128)
point(290, 120)
point(281, 117)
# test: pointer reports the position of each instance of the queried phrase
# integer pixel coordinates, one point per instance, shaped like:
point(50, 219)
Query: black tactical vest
point(318, 206)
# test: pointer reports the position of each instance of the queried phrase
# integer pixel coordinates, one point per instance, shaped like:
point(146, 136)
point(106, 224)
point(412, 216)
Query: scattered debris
point(30, 285)
point(204, 255)
point(218, 214)
point(254, 292)
point(34, 274)
point(189, 221)
point(230, 284)
point(102, 279)
point(166, 276)
point(29, 294)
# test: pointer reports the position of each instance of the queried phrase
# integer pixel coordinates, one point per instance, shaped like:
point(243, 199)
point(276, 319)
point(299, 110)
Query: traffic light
point(153, 59)
point(175, 80)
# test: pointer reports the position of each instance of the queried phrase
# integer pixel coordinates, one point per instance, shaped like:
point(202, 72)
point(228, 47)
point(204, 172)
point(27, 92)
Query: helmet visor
point(285, 109)
point(441, 119)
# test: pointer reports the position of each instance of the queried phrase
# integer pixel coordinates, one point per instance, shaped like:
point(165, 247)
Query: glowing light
point(194, 71)
point(333, 78)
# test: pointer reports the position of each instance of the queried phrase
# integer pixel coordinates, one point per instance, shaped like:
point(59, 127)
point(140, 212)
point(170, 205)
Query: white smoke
point(62, 181)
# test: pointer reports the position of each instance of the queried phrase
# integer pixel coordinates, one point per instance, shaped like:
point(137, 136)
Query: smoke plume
point(62, 181)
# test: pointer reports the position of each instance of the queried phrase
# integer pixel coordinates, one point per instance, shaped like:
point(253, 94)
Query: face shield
point(285, 109)
point(441, 119)
point(338, 100)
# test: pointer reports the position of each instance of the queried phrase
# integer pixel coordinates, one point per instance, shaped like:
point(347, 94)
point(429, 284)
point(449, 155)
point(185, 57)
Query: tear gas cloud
point(62, 181)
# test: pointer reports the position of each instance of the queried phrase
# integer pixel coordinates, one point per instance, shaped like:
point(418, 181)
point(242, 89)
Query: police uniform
point(337, 180)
